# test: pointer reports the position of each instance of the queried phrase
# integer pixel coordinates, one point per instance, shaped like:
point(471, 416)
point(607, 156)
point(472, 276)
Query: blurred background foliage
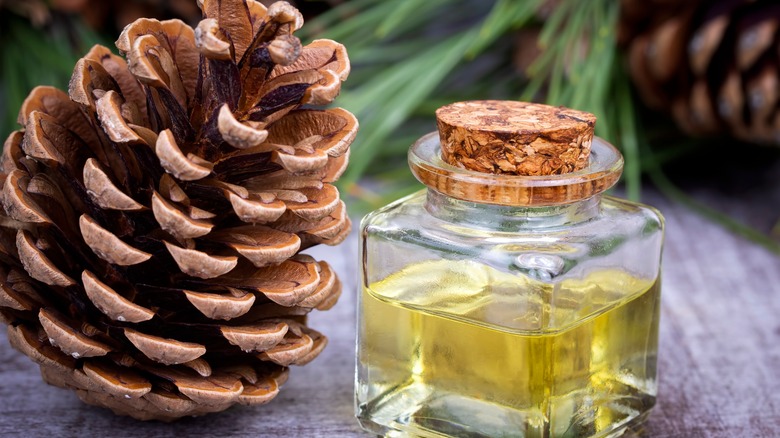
point(409, 57)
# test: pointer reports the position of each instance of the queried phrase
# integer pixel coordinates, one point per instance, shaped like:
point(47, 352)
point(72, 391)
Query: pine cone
point(149, 248)
point(713, 65)
point(103, 14)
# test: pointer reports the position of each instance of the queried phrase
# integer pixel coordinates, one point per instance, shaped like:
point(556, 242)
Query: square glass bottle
point(498, 305)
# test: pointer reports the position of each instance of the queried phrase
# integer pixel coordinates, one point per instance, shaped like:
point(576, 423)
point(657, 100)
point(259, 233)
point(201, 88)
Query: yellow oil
point(461, 349)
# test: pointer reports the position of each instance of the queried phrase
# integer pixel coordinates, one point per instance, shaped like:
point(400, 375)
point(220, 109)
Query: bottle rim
point(604, 168)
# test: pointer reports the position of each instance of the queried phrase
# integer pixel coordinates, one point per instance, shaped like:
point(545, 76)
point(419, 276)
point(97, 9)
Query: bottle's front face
point(477, 321)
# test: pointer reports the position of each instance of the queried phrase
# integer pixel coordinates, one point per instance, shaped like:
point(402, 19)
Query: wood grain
point(719, 357)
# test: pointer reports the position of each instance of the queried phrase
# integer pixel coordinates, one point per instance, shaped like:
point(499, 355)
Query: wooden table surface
point(719, 356)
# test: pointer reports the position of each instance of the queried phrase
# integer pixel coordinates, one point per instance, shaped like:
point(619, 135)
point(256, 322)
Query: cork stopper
point(515, 138)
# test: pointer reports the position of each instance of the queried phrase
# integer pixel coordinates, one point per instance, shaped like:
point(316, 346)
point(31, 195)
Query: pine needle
point(398, 95)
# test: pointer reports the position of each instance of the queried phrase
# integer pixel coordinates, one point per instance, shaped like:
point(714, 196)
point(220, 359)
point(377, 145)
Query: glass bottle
point(498, 305)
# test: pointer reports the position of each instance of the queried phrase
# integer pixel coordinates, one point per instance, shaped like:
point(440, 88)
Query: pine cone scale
point(224, 307)
point(112, 304)
point(62, 333)
point(236, 17)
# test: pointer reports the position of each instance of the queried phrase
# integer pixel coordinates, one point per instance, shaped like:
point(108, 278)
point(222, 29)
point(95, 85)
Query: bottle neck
point(509, 218)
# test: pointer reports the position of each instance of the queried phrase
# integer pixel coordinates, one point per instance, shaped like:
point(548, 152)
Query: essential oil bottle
point(511, 298)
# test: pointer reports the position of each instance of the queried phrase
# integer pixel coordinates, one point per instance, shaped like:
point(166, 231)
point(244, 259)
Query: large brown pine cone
point(715, 65)
point(149, 247)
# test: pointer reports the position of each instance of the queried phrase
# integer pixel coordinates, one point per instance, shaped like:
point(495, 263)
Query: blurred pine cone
point(99, 13)
point(715, 65)
point(103, 14)
point(109, 14)
point(149, 248)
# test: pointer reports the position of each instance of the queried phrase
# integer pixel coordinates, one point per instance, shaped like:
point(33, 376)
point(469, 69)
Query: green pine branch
point(31, 56)
point(411, 57)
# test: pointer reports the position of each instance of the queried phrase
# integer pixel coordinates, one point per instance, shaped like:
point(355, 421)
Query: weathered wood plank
point(719, 362)
point(719, 359)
